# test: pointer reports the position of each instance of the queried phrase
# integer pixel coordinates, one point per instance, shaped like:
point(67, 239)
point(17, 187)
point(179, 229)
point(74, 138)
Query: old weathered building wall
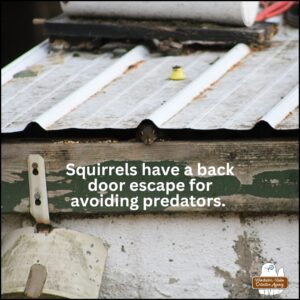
point(187, 255)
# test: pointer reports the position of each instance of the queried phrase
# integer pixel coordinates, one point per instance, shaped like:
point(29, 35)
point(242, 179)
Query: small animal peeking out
point(147, 133)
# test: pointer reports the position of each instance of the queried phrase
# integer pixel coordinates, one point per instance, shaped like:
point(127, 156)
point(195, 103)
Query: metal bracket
point(38, 189)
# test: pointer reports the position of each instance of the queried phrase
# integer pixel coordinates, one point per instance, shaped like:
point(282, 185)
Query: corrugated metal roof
point(263, 85)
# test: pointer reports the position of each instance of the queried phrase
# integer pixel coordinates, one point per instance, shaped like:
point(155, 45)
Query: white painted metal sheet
point(238, 100)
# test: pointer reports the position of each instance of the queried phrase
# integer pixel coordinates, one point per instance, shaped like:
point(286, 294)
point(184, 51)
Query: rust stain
point(259, 47)
point(203, 93)
point(235, 66)
point(288, 115)
point(133, 67)
point(107, 85)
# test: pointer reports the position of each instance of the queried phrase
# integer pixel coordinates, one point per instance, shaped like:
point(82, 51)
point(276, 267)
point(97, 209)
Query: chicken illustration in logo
point(269, 270)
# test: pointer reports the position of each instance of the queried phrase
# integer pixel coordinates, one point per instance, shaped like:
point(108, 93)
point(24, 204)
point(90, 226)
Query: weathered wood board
point(266, 172)
point(65, 27)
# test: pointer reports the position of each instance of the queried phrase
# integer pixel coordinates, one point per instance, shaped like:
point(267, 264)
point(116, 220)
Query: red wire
point(274, 9)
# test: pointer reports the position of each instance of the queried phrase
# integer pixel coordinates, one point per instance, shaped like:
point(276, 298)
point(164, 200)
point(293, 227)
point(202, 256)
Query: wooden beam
point(265, 172)
point(63, 26)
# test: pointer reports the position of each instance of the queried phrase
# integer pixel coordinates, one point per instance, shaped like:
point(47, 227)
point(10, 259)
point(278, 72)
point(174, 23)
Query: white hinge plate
point(38, 189)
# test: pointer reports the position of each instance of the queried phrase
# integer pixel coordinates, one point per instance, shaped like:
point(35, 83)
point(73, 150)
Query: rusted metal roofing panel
point(61, 95)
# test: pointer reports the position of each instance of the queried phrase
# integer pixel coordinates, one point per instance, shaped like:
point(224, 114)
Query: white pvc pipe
point(27, 59)
point(283, 108)
point(80, 95)
point(200, 84)
point(241, 13)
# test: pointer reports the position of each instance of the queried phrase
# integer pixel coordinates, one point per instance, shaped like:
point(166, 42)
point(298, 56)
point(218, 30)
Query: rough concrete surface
point(187, 255)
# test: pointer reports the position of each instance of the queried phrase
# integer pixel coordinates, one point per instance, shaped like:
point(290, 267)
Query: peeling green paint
point(12, 193)
point(274, 184)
